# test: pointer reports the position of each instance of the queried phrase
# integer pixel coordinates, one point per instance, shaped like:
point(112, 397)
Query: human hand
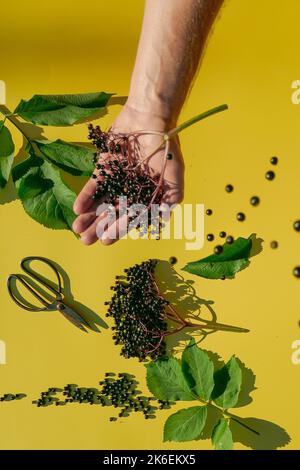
point(130, 120)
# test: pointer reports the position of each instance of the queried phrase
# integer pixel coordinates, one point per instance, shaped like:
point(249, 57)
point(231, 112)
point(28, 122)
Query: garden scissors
point(56, 295)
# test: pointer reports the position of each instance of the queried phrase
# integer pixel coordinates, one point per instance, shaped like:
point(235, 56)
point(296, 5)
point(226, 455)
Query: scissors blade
point(74, 318)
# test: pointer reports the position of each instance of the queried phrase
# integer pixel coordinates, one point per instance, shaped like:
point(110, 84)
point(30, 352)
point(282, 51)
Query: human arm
point(173, 37)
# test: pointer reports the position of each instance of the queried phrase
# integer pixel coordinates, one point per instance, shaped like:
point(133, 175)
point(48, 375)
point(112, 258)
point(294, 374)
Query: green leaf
point(22, 168)
point(228, 382)
point(221, 436)
point(185, 425)
point(44, 195)
point(61, 110)
point(166, 381)
point(233, 258)
point(7, 149)
point(74, 159)
point(198, 370)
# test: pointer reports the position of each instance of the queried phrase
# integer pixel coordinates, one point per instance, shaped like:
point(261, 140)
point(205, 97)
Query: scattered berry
point(218, 249)
point(297, 225)
point(229, 188)
point(274, 244)
point(270, 175)
point(254, 201)
point(222, 234)
point(209, 212)
point(274, 161)
point(240, 216)
point(173, 260)
point(297, 271)
point(229, 239)
point(210, 237)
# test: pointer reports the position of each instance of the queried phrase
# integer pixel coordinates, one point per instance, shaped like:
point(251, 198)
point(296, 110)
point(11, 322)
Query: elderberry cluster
point(119, 174)
point(139, 313)
point(119, 392)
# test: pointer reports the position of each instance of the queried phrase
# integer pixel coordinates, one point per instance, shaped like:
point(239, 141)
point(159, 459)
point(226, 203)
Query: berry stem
point(195, 119)
point(173, 132)
point(175, 316)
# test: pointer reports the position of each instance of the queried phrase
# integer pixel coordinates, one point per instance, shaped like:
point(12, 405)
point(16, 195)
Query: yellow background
point(251, 60)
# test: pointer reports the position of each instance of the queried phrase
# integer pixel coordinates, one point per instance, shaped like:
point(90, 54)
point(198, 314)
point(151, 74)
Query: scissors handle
point(25, 265)
point(21, 304)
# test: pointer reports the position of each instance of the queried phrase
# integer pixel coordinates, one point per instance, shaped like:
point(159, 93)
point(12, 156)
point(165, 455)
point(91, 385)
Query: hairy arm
point(173, 37)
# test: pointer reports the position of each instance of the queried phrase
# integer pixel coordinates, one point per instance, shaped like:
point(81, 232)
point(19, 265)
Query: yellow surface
point(250, 63)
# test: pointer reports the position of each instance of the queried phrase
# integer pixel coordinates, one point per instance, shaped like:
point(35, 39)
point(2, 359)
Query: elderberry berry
point(274, 160)
point(270, 175)
point(240, 216)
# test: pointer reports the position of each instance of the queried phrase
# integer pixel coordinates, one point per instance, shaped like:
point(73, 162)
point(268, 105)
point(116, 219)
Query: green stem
point(195, 119)
point(16, 123)
point(216, 326)
point(230, 415)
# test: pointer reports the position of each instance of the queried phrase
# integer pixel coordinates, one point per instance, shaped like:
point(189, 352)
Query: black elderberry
point(297, 271)
point(139, 313)
point(169, 156)
point(222, 234)
point(297, 225)
point(274, 161)
point(229, 239)
point(270, 175)
point(240, 216)
point(125, 177)
point(254, 201)
point(274, 244)
point(229, 188)
point(209, 211)
point(210, 237)
point(218, 249)
point(173, 260)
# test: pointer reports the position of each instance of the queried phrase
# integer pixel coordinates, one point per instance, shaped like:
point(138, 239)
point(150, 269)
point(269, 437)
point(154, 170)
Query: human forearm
point(173, 36)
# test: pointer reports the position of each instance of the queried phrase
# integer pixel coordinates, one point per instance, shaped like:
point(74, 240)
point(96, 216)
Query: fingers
point(84, 200)
point(83, 221)
point(115, 231)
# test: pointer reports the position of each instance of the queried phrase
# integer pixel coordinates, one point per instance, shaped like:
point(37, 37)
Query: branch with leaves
point(38, 181)
point(194, 378)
